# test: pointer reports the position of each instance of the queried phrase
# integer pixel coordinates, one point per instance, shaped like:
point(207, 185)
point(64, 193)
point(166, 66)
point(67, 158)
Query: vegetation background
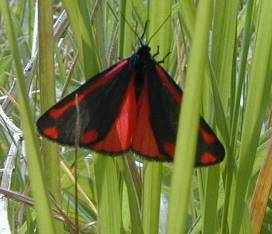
point(220, 48)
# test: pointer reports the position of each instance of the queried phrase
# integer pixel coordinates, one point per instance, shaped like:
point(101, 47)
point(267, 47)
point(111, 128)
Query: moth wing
point(157, 122)
point(157, 115)
point(106, 115)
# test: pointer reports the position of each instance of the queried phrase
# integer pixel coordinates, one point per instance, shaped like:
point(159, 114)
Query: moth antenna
point(145, 27)
point(131, 28)
point(158, 29)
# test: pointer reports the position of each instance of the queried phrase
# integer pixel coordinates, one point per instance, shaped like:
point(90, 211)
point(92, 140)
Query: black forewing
point(98, 110)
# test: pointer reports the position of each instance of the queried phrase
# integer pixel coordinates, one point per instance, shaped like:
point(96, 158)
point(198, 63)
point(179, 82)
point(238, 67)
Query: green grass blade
point(186, 16)
point(47, 91)
point(151, 197)
point(44, 216)
point(254, 111)
point(189, 120)
point(209, 206)
point(210, 203)
point(126, 35)
point(223, 61)
point(133, 195)
point(80, 23)
point(125, 47)
point(153, 170)
point(108, 195)
point(235, 115)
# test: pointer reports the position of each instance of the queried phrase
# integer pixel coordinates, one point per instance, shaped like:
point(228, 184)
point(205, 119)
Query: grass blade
point(153, 170)
point(254, 111)
point(39, 191)
point(189, 120)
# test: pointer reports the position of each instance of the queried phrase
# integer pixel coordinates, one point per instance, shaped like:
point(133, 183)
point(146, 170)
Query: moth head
point(144, 50)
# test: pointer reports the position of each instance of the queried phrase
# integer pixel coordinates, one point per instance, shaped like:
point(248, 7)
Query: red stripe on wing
point(144, 141)
point(165, 80)
point(119, 137)
point(57, 112)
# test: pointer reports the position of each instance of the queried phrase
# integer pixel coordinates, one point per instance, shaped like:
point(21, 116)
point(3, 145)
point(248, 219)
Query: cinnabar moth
point(133, 105)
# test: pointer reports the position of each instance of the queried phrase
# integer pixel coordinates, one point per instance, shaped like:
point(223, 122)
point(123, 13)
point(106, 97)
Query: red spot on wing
point(88, 136)
point(208, 138)
point(119, 137)
point(144, 141)
point(51, 133)
point(169, 148)
point(57, 112)
point(164, 78)
point(207, 158)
